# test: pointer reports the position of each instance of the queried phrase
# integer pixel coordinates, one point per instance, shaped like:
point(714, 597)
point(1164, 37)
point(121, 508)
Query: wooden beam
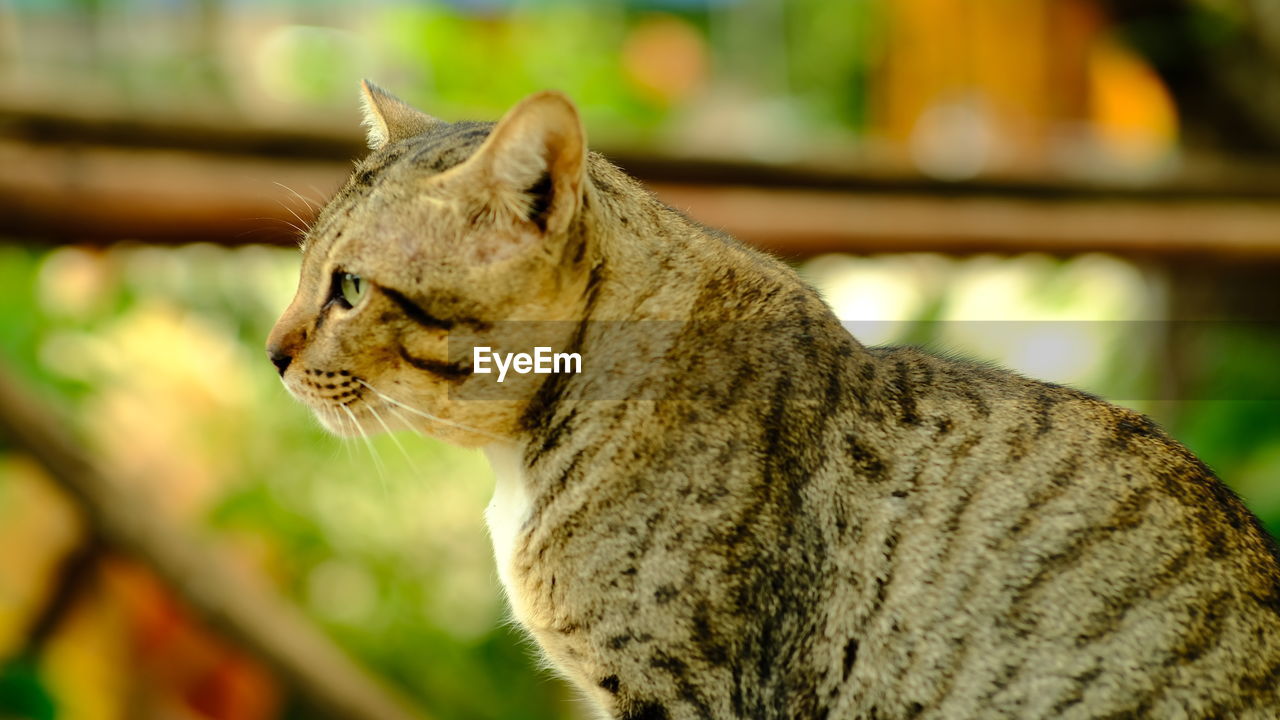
point(803, 223)
point(102, 194)
point(97, 194)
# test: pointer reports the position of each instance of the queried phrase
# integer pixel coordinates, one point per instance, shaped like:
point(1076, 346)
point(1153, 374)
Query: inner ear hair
point(540, 194)
point(533, 163)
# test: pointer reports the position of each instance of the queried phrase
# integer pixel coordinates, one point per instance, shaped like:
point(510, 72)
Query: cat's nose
point(279, 359)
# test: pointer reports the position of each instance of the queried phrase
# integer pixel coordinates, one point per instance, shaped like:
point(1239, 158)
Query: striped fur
point(738, 510)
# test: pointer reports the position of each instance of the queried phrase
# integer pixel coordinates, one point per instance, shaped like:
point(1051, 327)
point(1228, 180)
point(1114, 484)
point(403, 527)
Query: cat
point(736, 510)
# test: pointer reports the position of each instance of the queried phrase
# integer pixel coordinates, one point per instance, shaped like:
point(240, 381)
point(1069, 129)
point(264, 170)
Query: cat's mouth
point(363, 413)
point(345, 404)
point(328, 386)
point(348, 405)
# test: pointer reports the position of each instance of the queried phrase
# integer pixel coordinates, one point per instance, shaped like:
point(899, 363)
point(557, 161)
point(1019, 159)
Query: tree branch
point(238, 604)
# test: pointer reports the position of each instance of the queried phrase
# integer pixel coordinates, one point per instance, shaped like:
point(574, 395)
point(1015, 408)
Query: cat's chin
point(346, 422)
point(337, 424)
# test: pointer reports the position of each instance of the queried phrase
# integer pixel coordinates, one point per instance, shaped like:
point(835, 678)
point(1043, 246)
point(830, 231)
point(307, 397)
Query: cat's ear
point(388, 118)
point(533, 164)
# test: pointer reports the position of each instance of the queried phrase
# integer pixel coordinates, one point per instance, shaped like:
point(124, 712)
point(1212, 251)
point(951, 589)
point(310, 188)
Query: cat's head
point(445, 229)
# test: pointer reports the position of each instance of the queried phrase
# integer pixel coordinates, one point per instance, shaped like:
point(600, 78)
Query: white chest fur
point(507, 512)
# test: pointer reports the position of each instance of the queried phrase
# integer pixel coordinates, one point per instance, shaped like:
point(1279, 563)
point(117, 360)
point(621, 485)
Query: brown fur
point(737, 510)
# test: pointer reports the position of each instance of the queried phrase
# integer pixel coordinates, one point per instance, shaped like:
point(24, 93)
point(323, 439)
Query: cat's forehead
point(440, 148)
point(382, 177)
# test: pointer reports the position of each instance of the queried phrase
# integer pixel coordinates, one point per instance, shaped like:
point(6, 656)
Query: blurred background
point(1083, 190)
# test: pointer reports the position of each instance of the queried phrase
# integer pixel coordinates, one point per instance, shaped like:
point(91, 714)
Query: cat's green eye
point(352, 288)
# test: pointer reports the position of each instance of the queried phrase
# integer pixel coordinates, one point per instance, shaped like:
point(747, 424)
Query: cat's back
point(1040, 552)
point(913, 536)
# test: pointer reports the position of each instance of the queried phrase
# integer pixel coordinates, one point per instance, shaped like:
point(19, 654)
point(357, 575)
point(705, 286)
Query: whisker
point(402, 416)
point(274, 218)
point(346, 445)
point(339, 446)
point(296, 216)
point(373, 452)
point(306, 200)
point(303, 224)
point(284, 221)
point(377, 416)
point(428, 415)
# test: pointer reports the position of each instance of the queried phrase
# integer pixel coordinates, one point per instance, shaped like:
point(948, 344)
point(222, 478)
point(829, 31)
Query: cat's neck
point(669, 296)
point(650, 256)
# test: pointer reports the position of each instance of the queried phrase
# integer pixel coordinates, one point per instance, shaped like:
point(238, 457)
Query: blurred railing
point(64, 179)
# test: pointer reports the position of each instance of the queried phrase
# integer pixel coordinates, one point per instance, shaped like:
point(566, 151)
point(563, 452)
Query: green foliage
point(1233, 423)
point(448, 60)
point(22, 694)
point(833, 49)
point(157, 353)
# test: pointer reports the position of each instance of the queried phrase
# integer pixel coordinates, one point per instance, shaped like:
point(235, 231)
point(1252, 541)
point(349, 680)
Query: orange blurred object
point(666, 58)
point(181, 661)
point(1133, 114)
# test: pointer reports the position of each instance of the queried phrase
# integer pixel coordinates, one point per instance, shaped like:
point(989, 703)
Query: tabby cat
point(736, 510)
